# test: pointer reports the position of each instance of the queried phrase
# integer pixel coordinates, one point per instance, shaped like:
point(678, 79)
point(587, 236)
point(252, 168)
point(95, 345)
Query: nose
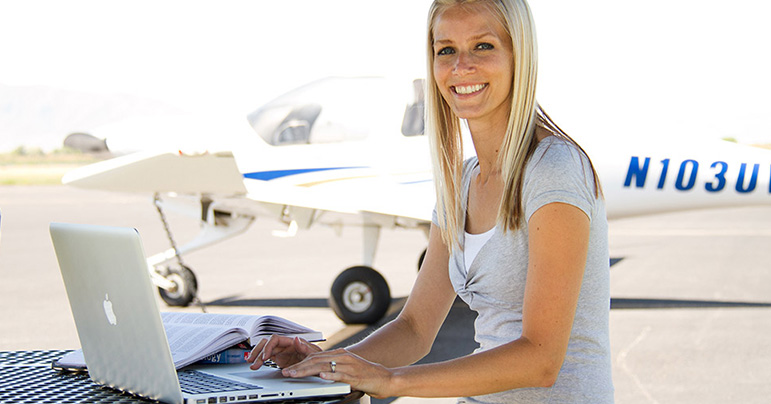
point(463, 64)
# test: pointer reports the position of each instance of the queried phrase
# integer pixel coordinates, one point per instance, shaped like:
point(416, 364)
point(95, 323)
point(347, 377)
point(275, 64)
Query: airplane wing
point(352, 191)
point(217, 175)
point(154, 172)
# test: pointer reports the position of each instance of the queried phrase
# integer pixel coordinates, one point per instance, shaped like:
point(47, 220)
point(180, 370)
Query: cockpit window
point(296, 127)
point(339, 109)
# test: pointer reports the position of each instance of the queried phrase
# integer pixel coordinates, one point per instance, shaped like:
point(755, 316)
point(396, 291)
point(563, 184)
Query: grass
point(25, 166)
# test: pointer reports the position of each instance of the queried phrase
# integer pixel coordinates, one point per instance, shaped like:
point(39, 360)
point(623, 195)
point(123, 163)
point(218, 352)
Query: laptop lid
point(120, 329)
point(115, 311)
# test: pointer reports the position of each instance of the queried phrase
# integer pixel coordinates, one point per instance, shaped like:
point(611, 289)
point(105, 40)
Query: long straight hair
point(443, 126)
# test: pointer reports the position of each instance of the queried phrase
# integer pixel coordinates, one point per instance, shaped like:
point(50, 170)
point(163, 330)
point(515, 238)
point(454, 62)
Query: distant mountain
point(42, 116)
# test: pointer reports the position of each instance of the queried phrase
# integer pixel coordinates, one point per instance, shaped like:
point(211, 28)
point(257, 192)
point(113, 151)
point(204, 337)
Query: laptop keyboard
point(194, 382)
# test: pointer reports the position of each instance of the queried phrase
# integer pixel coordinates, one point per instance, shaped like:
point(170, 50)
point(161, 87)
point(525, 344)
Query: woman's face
point(473, 63)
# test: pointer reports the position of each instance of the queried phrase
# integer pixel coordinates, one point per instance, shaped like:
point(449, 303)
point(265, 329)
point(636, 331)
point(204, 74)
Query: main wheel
point(185, 287)
point(360, 295)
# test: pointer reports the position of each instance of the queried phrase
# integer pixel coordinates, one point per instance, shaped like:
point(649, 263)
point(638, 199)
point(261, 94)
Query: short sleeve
point(558, 172)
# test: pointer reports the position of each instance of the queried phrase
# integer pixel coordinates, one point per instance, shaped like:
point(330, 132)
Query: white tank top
point(472, 243)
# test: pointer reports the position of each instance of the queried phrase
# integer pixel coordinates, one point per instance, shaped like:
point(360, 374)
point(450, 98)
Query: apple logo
point(108, 311)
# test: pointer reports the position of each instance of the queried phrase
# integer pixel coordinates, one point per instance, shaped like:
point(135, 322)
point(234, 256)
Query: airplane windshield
point(337, 110)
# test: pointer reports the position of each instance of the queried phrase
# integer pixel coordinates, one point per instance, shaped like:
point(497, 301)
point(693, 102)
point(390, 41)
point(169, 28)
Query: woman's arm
point(558, 243)
point(401, 342)
point(410, 336)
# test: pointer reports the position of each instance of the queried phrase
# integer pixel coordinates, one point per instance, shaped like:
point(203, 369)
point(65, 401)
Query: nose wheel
point(360, 295)
point(184, 289)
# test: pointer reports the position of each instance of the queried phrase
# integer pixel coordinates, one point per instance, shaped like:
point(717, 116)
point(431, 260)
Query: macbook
point(122, 337)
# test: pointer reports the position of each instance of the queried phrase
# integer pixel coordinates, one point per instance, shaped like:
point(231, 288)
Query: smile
point(465, 90)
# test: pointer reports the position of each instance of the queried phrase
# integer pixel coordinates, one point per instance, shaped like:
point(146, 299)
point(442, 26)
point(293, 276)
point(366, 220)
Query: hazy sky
point(194, 53)
point(655, 68)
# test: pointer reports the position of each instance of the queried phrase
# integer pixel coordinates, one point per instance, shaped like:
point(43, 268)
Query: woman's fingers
point(319, 362)
point(267, 349)
point(343, 366)
point(254, 354)
point(285, 351)
point(305, 347)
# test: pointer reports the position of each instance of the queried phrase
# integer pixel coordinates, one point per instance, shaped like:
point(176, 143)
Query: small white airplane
point(351, 152)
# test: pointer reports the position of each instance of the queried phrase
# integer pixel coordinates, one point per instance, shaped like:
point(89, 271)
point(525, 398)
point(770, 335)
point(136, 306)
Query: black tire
point(360, 295)
point(186, 287)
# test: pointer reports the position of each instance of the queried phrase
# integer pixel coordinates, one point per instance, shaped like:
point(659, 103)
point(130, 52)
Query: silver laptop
point(122, 336)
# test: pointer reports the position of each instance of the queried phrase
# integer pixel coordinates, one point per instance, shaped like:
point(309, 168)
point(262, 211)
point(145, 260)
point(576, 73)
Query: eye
point(445, 51)
point(485, 46)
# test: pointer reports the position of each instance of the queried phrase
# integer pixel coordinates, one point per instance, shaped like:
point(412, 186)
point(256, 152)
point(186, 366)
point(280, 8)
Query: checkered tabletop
point(27, 377)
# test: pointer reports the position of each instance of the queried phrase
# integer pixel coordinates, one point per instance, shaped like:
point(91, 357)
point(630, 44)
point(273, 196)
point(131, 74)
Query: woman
point(519, 233)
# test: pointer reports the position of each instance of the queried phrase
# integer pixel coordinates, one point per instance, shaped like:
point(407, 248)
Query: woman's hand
point(299, 358)
point(284, 351)
point(342, 366)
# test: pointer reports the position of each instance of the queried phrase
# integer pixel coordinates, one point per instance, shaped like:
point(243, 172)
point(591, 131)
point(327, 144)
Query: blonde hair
point(444, 127)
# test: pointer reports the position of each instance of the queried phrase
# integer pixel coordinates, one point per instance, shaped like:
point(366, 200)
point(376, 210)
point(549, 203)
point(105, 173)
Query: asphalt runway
point(691, 294)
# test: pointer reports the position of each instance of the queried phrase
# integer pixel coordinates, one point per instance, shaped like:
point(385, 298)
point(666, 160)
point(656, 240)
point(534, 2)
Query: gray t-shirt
point(495, 284)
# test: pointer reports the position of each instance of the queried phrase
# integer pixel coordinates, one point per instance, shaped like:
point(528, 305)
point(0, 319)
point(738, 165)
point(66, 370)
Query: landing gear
point(184, 289)
point(360, 295)
point(176, 282)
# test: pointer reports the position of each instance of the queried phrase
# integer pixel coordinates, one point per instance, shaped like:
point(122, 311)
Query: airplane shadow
point(636, 303)
point(615, 303)
point(290, 302)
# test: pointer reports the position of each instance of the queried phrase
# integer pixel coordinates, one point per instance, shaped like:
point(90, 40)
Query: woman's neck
point(488, 142)
point(488, 139)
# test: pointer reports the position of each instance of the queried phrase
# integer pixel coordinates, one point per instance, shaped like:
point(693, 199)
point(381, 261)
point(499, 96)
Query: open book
point(195, 336)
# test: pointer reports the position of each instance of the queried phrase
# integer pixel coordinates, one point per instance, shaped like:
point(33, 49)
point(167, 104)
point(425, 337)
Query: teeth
point(469, 89)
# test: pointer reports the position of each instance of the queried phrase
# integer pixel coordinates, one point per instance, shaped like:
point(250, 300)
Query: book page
point(190, 343)
point(232, 320)
point(258, 327)
point(270, 325)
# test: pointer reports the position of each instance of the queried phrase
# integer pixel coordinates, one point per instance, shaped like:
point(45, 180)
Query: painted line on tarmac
point(692, 232)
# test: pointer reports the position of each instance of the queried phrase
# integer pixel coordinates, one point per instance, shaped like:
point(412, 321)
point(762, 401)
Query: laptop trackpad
point(242, 373)
point(253, 378)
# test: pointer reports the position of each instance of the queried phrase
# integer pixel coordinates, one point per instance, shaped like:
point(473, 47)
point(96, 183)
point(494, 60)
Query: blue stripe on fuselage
point(414, 182)
point(272, 175)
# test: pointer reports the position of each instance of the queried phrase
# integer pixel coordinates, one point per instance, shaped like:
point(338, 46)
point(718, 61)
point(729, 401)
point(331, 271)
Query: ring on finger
point(333, 365)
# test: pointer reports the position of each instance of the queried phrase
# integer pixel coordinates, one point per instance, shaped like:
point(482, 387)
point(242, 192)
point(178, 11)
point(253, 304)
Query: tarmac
point(690, 310)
